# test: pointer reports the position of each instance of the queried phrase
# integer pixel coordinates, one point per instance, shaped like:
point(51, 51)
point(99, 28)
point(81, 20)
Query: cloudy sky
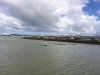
point(50, 17)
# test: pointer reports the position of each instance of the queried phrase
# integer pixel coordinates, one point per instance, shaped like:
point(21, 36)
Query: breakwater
point(65, 39)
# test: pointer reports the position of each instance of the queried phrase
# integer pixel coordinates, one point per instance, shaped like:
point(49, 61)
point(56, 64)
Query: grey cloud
point(31, 14)
point(44, 16)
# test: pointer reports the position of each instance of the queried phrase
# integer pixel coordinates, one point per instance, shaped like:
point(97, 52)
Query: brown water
point(26, 57)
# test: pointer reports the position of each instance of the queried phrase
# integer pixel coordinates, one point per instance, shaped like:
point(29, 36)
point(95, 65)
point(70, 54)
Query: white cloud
point(98, 12)
point(8, 23)
point(44, 17)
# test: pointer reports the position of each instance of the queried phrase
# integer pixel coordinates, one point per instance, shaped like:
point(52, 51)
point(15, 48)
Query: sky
point(50, 17)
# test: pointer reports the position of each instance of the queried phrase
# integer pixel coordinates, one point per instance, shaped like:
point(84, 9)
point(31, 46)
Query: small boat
point(60, 43)
point(43, 45)
point(72, 43)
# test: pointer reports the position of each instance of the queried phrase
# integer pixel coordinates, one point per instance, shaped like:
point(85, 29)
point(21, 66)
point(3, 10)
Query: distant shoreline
point(64, 40)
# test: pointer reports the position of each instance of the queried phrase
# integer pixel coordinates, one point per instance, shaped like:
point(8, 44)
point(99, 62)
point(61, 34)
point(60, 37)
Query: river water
point(26, 57)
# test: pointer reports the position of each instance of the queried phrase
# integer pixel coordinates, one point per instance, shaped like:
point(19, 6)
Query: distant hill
point(19, 35)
